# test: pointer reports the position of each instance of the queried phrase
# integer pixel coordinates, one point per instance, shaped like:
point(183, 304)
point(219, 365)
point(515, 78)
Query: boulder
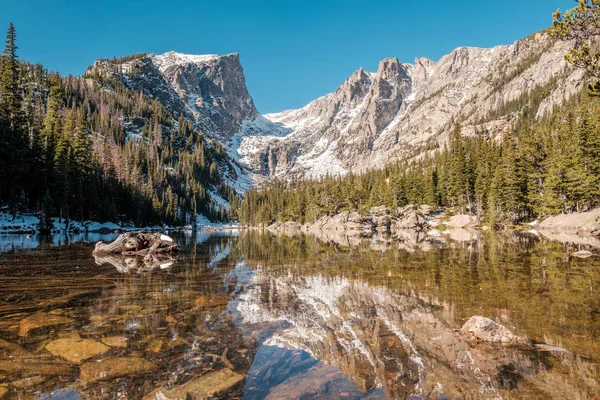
point(462, 221)
point(343, 221)
point(409, 219)
point(581, 223)
point(401, 211)
point(382, 223)
point(485, 329)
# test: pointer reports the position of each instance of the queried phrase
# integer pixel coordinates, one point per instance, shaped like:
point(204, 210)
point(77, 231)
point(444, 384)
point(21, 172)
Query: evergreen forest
point(85, 148)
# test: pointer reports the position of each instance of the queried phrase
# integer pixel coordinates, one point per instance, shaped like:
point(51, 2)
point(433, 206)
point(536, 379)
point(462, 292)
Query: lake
point(254, 315)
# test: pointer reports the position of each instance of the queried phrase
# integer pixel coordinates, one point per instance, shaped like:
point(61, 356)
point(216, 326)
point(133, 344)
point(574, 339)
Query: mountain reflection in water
point(253, 315)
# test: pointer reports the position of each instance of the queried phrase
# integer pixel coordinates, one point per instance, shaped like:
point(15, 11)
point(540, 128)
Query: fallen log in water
point(142, 244)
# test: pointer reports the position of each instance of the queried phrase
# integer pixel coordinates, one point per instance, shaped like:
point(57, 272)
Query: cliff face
point(403, 109)
point(209, 90)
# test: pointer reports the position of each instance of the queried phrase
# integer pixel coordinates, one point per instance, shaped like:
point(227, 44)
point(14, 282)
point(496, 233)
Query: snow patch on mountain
point(171, 58)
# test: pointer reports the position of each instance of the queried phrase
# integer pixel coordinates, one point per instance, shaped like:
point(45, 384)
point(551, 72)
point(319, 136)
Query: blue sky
point(292, 51)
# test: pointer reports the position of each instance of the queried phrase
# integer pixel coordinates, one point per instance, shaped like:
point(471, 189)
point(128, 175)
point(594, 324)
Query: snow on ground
point(323, 164)
point(29, 224)
point(219, 201)
point(253, 135)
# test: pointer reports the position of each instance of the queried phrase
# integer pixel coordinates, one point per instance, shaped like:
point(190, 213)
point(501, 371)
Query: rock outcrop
point(586, 223)
point(209, 90)
point(485, 329)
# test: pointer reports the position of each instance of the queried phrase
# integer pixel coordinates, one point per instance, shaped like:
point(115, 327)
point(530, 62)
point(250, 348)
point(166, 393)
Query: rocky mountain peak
point(355, 87)
point(372, 119)
point(423, 68)
point(208, 89)
point(389, 68)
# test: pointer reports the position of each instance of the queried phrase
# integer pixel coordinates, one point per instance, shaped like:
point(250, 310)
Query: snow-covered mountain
point(401, 110)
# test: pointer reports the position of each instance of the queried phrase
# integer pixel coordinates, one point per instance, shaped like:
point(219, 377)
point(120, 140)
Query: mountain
point(403, 110)
point(400, 111)
point(209, 90)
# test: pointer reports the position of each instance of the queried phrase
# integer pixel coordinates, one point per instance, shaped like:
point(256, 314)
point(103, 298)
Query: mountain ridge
point(372, 118)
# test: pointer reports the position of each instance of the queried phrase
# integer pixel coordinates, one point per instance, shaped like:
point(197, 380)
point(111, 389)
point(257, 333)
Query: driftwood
point(142, 244)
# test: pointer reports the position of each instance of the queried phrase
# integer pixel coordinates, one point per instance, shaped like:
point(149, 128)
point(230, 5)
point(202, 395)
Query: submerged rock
point(115, 341)
point(12, 350)
point(114, 367)
point(76, 350)
point(212, 384)
point(41, 320)
point(485, 329)
point(32, 368)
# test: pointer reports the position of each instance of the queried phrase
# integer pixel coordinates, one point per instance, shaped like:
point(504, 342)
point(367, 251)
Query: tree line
point(537, 169)
point(87, 148)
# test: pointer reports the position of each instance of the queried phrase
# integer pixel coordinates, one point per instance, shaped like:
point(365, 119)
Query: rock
point(212, 384)
point(583, 254)
point(32, 368)
point(401, 211)
point(41, 320)
point(115, 341)
point(285, 226)
point(30, 382)
point(425, 209)
point(3, 392)
point(344, 221)
point(555, 351)
point(156, 345)
point(409, 218)
point(462, 221)
point(463, 235)
point(114, 367)
point(382, 223)
point(379, 211)
point(582, 223)
point(11, 350)
point(76, 350)
point(485, 329)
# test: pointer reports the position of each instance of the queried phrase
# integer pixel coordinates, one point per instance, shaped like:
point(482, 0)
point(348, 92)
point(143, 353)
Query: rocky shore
point(421, 218)
point(581, 228)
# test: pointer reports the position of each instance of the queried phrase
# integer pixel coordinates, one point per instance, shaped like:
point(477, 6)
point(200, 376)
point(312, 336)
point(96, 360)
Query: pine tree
point(13, 130)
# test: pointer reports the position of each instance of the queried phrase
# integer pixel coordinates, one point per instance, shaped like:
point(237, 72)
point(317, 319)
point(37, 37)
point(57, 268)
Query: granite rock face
point(404, 110)
point(209, 90)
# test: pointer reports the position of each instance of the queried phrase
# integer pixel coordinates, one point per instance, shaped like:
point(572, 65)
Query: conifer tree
point(13, 134)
